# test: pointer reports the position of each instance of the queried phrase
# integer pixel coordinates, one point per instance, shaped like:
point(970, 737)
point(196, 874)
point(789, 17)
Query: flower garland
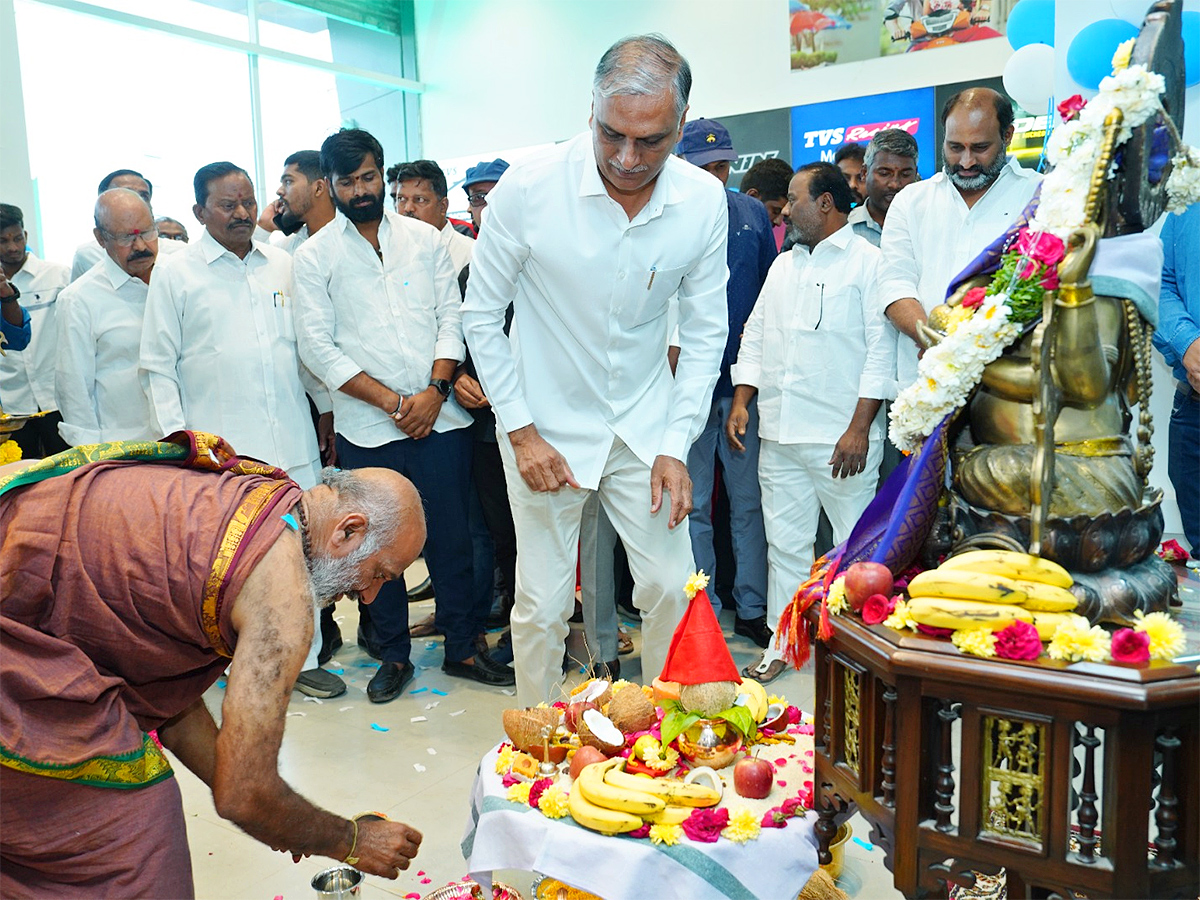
point(949, 370)
point(10, 452)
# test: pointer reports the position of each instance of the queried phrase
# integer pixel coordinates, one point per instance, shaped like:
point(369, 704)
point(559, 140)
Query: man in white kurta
point(936, 227)
point(589, 241)
point(820, 356)
point(100, 329)
point(218, 349)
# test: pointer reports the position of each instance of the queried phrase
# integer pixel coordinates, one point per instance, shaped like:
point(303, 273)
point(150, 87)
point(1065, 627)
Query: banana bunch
point(990, 589)
point(606, 799)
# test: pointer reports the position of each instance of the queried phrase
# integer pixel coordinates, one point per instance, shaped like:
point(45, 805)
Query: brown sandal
point(624, 644)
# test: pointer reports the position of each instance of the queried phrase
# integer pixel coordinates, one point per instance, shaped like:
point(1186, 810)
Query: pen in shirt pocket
point(277, 299)
point(653, 271)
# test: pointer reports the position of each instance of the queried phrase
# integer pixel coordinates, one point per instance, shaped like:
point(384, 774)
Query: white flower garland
point(948, 371)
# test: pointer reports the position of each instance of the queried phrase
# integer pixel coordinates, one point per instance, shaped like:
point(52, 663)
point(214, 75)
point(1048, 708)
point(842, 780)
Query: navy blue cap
point(484, 171)
point(705, 141)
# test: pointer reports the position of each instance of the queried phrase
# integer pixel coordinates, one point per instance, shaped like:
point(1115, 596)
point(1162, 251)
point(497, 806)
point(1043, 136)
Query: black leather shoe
point(423, 591)
point(331, 637)
point(389, 681)
point(485, 670)
point(609, 671)
point(369, 645)
point(755, 629)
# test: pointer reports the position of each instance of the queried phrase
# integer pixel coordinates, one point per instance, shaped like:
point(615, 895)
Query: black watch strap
point(443, 387)
point(16, 294)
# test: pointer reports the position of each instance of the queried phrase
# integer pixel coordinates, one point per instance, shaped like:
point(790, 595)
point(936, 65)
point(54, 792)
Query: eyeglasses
point(126, 240)
point(479, 198)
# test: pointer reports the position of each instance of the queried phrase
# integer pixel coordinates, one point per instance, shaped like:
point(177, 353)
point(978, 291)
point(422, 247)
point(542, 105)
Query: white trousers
point(547, 526)
point(797, 482)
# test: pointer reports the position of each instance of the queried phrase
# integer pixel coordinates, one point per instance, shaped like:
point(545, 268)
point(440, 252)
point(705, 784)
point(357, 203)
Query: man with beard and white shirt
point(100, 329)
point(32, 285)
point(589, 241)
point(936, 227)
point(378, 319)
point(820, 425)
point(89, 253)
point(303, 205)
point(421, 194)
point(218, 351)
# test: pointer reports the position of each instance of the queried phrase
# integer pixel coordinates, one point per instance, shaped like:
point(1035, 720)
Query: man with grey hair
point(890, 163)
point(589, 241)
point(99, 325)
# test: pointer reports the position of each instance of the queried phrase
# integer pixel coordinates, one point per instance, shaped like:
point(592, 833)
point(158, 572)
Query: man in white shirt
point(27, 376)
point(303, 205)
point(589, 241)
point(818, 353)
point(421, 194)
point(936, 227)
point(218, 351)
point(379, 319)
point(890, 164)
point(90, 252)
point(100, 329)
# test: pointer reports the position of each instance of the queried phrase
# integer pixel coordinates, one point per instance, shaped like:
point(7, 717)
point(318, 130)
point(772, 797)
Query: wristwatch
point(443, 387)
point(16, 294)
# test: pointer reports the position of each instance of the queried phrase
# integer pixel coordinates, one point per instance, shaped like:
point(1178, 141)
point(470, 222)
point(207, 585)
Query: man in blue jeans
point(1178, 339)
point(706, 143)
point(378, 320)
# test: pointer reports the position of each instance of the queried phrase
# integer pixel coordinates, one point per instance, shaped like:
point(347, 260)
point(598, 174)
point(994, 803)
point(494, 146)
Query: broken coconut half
point(597, 730)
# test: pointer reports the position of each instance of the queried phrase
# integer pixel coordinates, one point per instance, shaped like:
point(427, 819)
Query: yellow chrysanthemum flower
point(10, 452)
point(504, 759)
point(665, 834)
point(743, 826)
point(901, 618)
point(1166, 635)
point(695, 584)
point(836, 599)
point(957, 316)
point(1124, 53)
point(976, 641)
point(553, 803)
point(772, 699)
point(1074, 641)
point(519, 793)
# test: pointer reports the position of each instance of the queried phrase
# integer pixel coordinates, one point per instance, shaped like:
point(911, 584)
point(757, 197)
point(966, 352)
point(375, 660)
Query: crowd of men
point(612, 335)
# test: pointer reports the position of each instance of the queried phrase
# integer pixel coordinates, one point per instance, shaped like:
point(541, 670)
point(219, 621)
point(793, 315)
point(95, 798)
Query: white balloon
point(1029, 77)
point(1131, 10)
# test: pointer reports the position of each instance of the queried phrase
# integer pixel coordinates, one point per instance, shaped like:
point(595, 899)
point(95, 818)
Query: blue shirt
point(1179, 300)
point(17, 336)
point(750, 254)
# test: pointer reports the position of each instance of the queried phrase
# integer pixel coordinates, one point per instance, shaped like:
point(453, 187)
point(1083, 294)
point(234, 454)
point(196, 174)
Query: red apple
point(574, 714)
point(753, 777)
point(864, 579)
point(585, 756)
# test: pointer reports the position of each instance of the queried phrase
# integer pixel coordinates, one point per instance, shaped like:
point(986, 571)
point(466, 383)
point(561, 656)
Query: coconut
point(526, 727)
point(708, 698)
point(598, 690)
point(630, 710)
point(597, 730)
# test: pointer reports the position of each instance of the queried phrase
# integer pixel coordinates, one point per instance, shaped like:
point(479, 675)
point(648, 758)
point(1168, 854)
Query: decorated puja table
point(1075, 777)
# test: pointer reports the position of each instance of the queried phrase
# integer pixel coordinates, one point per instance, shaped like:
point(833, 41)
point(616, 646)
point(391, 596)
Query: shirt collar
point(115, 274)
point(591, 183)
point(213, 251)
point(860, 213)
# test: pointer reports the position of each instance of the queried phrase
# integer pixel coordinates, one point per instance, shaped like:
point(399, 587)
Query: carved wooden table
point(1080, 779)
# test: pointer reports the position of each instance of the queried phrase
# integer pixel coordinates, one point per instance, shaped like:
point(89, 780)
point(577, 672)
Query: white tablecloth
point(504, 835)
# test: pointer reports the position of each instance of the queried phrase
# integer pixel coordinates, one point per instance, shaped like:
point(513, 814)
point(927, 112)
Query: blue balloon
point(1191, 47)
point(1031, 22)
point(1089, 58)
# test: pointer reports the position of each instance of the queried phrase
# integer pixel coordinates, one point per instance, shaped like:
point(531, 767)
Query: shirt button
point(620, 275)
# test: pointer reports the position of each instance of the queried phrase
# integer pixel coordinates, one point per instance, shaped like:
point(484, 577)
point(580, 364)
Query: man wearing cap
point(707, 144)
point(481, 178)
point(589, 240)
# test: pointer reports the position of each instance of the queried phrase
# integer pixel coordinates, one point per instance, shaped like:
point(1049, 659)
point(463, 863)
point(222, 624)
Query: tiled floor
point(333, 756)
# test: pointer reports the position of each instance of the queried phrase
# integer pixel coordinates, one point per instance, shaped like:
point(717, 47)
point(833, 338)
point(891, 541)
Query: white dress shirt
point(99, 339)
point(218, 352)
point(460, 246)
point(288, 243)
point(817, 341)
point(389, 318)
point(90, 252)
point(27, 376)
point(590, 290)
point(930, 236)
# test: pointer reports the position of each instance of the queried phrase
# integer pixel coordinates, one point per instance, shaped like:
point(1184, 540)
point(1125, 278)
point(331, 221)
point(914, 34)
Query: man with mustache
point(935, 227)
point(89, 253)
point(100, 329)
point(303, 205)
point(378, 315)
point(218, 350)
point(178, 569)
point(589, 241)
point(890, 164)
